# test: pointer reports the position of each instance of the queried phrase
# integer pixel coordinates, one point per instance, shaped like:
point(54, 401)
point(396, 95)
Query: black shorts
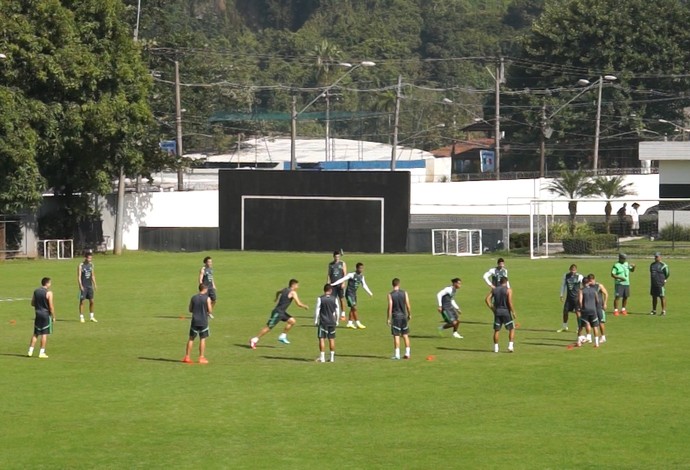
point(570, 305)
point(657, 291)
point(399, 326)
point(202, 331)
point(211, 294)
point(325, 332)
point(503, 318)
point(338, 291)
point(589, 316)
point(276, 317)
point(86, 294)
point(351, 299)
point(450, 315)
point(43, 324)
point(622, 291)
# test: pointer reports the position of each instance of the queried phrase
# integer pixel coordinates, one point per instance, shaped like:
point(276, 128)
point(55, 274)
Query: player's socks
point(322, 357)
point(495, 348)
point(350, 324)
point(596, 341)
point(360, 326)
point(252, 342)
point(588, 338)
point(42, 354)
point(510, 346)
point(81, 318)
point(92, 318)
point(603, 339)
point(407, 353)
point(396, 355)
point(663, 313)
point(332, 356)
point(624, 311)
point(31, 352)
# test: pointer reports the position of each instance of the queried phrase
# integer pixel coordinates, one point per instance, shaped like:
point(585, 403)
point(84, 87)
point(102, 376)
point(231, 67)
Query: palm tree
point(611, 188)
point(325, 55)
point(572, 185)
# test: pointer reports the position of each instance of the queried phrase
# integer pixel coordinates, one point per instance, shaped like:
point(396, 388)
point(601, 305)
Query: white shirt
point(450, 291)
point(350, 276)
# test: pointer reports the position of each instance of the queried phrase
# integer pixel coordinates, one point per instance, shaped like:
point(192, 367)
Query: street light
point(679, 128)
point(295, 114)
point(600, 82)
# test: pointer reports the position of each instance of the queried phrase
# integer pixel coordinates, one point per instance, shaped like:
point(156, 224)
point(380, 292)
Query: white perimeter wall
point(200, 208)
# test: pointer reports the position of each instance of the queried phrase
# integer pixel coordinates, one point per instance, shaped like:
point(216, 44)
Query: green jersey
point(621, 270)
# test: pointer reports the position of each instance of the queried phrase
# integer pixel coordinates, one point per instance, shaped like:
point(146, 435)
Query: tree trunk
point(572, 208)
point(607, 211)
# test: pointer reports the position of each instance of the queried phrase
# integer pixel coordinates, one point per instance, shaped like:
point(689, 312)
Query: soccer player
point(337, 269)
point(601, 313)
point(86, 278)
point(326, 319)
point(621, 275)
point(570, 288)
point(500, 301)
point(284, 298)
point(659, 273)
point(201, 307)
point(42, 302)
point(494, 275)
point(399, 314)
point(448, 308)
point(206, 278)
point(589, 311)
point(354, 280)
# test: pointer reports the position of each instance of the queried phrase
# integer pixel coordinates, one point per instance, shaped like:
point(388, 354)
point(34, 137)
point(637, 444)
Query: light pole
point(294, 113)
point(683, 130)
point(600, 82)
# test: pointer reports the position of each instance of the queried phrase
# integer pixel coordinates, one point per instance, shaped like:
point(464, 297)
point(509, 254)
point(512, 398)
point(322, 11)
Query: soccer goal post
point(457, 242)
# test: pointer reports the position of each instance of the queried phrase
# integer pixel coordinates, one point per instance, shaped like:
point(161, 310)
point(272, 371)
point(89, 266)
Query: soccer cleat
point(360, 326)
point(406, 357)
point(210, 316)
point(332, 360)
point(395, 358)
point(43, 356)
point(187, 360)
point(203, 360)
point(457, 335)
point(653, 312)
point(351, 325)
point(562, 330)
point(624, 312)
point(615, 313)
point(663, 313)
point(93, 320)
point(284, 340)
point(252, 344)
point(510, 350)
point(81, 319)
point(440, 330)
point(29, 354)
point(602, 340)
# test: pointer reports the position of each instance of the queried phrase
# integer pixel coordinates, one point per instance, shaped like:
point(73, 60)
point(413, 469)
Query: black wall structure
point(178, 238)
point(364, 211)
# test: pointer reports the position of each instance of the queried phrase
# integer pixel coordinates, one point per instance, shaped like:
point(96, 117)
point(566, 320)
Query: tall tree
point(572, 185)
point(611, 188)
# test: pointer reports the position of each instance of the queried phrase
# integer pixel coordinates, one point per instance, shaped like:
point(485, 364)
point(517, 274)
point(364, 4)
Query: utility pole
point(119, 221)
point(542, 146)
point(178, 125)
point(497, 130)
point(396, 122)
point(328, 124)
point(595, 162)
point(293, 134)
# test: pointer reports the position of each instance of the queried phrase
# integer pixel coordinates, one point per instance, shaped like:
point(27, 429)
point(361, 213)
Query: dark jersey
point(284, 300)
point(41, 300)
point(335, 270)
point(327, 311)
point(499, 273)
point(199, 308)
point(447, 299)
point(87, 274)
point(354, 283)
point(600, 295)
point(399, 304)
point(659, 272)
point(572, 283)
point(500, 298)
point(590, 298)
point(207, 278)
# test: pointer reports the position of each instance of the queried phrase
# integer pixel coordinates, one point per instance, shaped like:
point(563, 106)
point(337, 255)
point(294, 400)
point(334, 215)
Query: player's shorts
point(202, 331)
point(503, 318)
point(622, 291)
point(657, 291)
point(589, 316)
point(43, 324)
point(636, 225)
point(325, 332)
point(211, 292)
point(570, 305)
point(601, 315)
point(86, 293)
point(276, 317)
point(399, 326)
point(449, 315)
point(338, 291)
point(351, 300)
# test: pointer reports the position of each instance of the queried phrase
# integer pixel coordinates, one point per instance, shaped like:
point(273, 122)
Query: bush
point(589, 244)
point(671, 232)
point(519, 240)
point(560, 230)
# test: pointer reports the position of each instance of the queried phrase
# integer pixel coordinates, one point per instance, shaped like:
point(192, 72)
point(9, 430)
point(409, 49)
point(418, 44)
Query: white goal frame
point(380, 200)
point(450, 242)
point(61, 248)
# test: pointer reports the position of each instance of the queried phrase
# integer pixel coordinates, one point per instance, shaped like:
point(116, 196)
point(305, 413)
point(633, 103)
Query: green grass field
point(115, 394)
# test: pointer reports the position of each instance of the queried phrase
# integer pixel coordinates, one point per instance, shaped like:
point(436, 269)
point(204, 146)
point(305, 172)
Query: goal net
point(458, 242)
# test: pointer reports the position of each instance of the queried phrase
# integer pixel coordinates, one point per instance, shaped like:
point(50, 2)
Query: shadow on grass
point(548, 345)
point(562, 340)
point(246, 346)
point(536, 330)
point(364, 356)
point(160, 359)
point(14, 355)
point(463, 322)
point(426, 336)
point(295, 359)
point(172, 317)
point(443, 348)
